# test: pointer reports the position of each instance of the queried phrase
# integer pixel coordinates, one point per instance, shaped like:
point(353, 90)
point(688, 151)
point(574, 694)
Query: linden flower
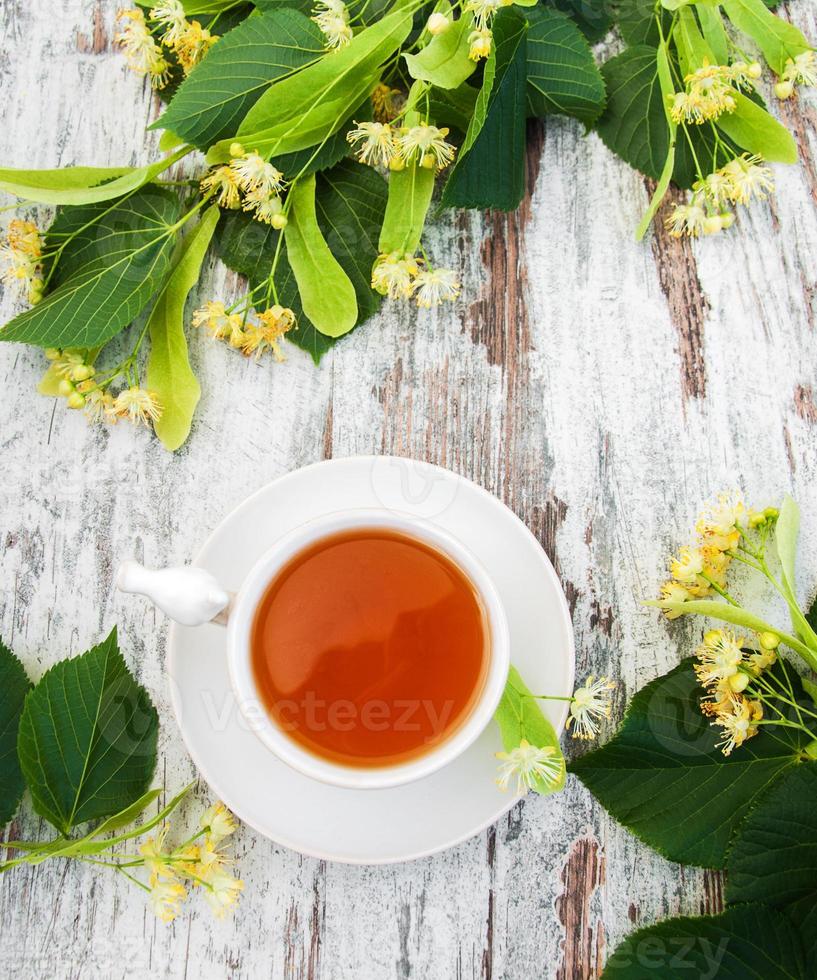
point(221, 888)
point(137, 405)
point(435, 286)
point(265, 336)
point(719, 524)
point(156, 861)
point(674, 592)
point(480, 44)
point(377, 143)
point(528, 764)
point(393, 275)
point(170, 15)
point(21, 253)
point(749, 178)
point(800, 70)
point(165, 898)
point(254, 173)
point(738, 718)
point(218, 822)
point(223, 182)
point(332, 18)
point(485, 10)
point(437, 23)
point(143, 54)
point(686, 219)
point(688, 566)
point(590, 702)
point(266, 208)
point(719, 656)
point(98, 405)
point(709, 94)
point(383, 102)
point(193, 44)
point(427, 143)
point(221, 324)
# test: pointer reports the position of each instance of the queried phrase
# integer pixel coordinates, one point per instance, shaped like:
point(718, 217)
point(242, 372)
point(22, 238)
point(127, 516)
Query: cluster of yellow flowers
point(204, 864)
point(251, 337)
point(481, 38)
point(187, 40)
point(727, 666)
point(74, 380)
point(801, 70)
point(385, 101)
point(710, 91)
point(332, 18)
point(381, 144)
point(700, 569)
point(738, 182)
point(402, 276)
point(21, 254)
point(251, 182)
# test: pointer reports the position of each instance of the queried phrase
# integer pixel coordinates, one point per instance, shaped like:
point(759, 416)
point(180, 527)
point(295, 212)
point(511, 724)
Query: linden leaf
point(87, 738)
point(15, 685)
point(663, 776)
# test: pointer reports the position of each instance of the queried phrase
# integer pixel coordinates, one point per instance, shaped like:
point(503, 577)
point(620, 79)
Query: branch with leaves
point(83, 742)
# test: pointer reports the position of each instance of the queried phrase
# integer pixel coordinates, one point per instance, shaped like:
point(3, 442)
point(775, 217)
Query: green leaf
point(350, 203)
point(115, 257)
point(444, 61)
point(667, 89)
point(520, 717)
point(714, 32)
point(327, 294)
point(592, 16)
point(213, 100)
point(562, 75)
point(325, 155)
point(786, 532)
point(87, 739)
point(126, 816)
point(754, 129)
point(693, 51)
point(82, 185)
point(302, 109)
point(636, 21)
point(777, 39)
point(410, 193)
point(634, 124)
point(664, 778)
point(14, 684)
point(169, 374)
point(748, 941)
point(489, 171)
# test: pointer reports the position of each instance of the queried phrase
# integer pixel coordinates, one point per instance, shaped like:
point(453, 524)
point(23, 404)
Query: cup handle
point(191, 596)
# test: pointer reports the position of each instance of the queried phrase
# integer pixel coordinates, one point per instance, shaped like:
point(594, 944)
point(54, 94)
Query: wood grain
point(601, 388)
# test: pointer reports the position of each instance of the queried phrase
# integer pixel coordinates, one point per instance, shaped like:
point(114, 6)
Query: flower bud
point(397, 163)
point(52, 353)
point(769, 641)
point(86, 386)
point(784, 90)
point(65, 388)
point(727, 219)
point(739, 682)
point(236, 150)
point(75, 400)
point(278, 221)
point(82, 372)
point(438, 24)
point(771, 513)
point(754, 70)
point(428, 162)
point(712, 224)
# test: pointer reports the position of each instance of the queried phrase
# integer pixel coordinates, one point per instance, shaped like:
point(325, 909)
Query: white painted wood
point(601, 405)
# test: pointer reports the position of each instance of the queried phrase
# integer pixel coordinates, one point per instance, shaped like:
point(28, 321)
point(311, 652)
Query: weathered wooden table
point(599, 387)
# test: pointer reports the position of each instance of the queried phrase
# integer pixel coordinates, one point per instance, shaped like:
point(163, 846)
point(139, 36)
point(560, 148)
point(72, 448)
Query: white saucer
point(367, 826)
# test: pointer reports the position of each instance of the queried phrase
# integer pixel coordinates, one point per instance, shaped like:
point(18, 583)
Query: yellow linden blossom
point(710, 92)
point(800, 70)
point(393, 275)
point(136, 405)
point(156, 860)
point(720, 522)
point(378, 144)
point(254, 173)
point(720, 656)
point(686, 219)
point(165, 899)
point(484, 11)
point(480, 42)
point(220, 887)
point(383, 102)
point(20, 254)
point(143, 54)
point(332, 18)
point(434, 286)
point(170, 15)
point(98, 405)
point(749, 178)
point(192, 45)
point(738, 718)
point(426, 143)
point(223, 182)
point(528, 764)
point(266, 208)
point(266, 334)
point(221, 324)
point(218, 822)
point(674, 592)
point(590, 702)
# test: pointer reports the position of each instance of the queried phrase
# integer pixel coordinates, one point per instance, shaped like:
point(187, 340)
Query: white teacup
point(192, 596)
